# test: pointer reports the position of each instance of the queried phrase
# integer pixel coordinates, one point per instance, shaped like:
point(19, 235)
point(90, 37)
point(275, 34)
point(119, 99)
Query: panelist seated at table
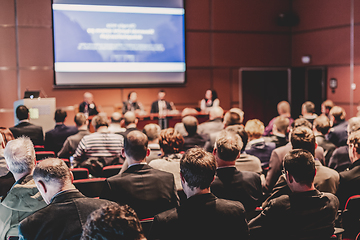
point(161, 105)
point(132, 104)
point(210, 100)
point(88, 106)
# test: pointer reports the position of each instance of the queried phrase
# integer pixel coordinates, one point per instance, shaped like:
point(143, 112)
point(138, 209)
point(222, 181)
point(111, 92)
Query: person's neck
point(302, 188)
point(196, 191)
point(287, 115)
point(18, 176)
point(83, 127)
point(131, 125)
point(132, 161)
point(102, 129)
point(222, 163)
point(156, 141)
point(317, 133)
point(60, 123)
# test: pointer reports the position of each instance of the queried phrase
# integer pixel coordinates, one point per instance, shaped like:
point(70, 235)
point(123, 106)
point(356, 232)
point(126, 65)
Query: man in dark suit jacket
point(321, 127)
point(229, 183)
point(55, 138)
point(193, 139)
point(147, 190)
point(88, 106)
point(160, 105)
point(130, 121)
point(24, 128)
point(201, 215)
point(67, 208)
point(338, 133)
point(350, 178)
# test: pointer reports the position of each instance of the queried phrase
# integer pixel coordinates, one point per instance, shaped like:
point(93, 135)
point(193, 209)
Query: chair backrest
point(39, 148)
point(44, 154)
point(351, 217)
point(90, 187)
point(111, 170)
point(80, 173)
point(146, 225)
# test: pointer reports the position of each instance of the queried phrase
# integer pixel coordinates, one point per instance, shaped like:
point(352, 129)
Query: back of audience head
point(283, 107)
point(228, 146)
point(171, 141)
point(136, 145)
point(190, 124)
point(301, 122)
point(152, 131)
point(322, 124)
point(99, 121)
point(354, 142)
point(22, 112)
point(300, 164)
point(308, 107)
point(337, 114)
point(80, 119)
point(6, 136)
point(197, 169)
point(254, 128)
point(20, 156)
point(303, 138)
point(232, 118)
point(353, 125)
point(52, 176)
point(216, 112)
point(60, 116)
point(282, 124)
point(116, 117)
point(189, 112)
point(129, 118)
point(113, 222)
point(239, 130)
point(326, 106)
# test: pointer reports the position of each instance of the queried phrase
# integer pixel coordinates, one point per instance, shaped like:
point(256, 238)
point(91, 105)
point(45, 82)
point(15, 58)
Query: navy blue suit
point(262, 150)
point(338, 134)
point(35, 133)
point(55, 138)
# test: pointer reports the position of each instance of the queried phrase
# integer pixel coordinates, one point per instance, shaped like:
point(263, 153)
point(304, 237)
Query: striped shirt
point(99, 144)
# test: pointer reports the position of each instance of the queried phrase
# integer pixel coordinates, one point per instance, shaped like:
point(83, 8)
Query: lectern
point(42, 111)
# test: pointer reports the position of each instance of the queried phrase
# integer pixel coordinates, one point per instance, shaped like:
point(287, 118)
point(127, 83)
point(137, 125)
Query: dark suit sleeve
point(106, 192)
point(274, 170)
point(168, 106)
point(153, 107)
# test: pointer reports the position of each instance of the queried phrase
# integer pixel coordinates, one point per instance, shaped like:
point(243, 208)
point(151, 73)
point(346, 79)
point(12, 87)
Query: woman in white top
point(209, 101)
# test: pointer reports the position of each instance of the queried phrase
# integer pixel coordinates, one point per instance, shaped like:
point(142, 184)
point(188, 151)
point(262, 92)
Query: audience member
point(350, 178)
point(201, 215)
point(147, 190)
point(214, 124)
point(306, 213)
point(326, 106)
point(23, 198)
point(283, 109)
point(25, 128)
point(230, 183)
point(279, 132)
point(337, 134)
point(180, 125)
point(115, 125)
point(193, 139)
point(340, 159)
point(160, 106)
point(72, 141)
point(113, 222)
point(55, 138)
point(152, 131)
point(308, 111)
point(326, 179)
point(257, 145)
point(211, 100)
point(277, 156)
point(99, 144)
point(132, 104)
point(6, 177)
point(130, 122)
point(88, 106)
point(171, 144)
point(321, 127)
point(245, 162)
point(67, 208)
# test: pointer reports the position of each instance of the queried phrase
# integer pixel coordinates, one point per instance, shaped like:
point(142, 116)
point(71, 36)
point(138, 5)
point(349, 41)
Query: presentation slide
point(118, 45)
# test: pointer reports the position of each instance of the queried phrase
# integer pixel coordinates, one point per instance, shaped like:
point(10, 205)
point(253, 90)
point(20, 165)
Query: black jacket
point(35, 133)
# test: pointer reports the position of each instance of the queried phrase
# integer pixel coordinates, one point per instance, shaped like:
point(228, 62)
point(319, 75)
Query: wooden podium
point(42, 111)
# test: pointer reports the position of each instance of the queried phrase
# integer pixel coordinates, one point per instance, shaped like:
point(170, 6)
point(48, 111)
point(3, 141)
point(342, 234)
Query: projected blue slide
point(91, 38)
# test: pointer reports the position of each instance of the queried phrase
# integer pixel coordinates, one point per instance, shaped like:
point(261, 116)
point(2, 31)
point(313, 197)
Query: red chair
point(80, 173)
point(39, 148)
point(146, 225)
point(90, 187)
point(111, 170)
point(67, 161)
point(351, 217)
point(44, 154)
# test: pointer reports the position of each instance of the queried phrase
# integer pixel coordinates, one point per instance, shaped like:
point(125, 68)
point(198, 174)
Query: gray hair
point(354, 125)
point(20, 155)
point(152, 131)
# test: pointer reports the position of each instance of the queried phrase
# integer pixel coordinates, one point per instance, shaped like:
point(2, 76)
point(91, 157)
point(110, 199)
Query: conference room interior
point(243, 49)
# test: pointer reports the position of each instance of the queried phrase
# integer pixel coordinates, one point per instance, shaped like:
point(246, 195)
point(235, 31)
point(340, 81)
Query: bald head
point(135, 145)
point(116, 117)
point(216, 112)
point(88, 97)
point(129, 117)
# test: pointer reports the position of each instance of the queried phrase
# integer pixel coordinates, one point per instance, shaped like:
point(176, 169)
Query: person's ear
point(42, 185)
point(72, 176)
point(316, 145)
point(214, 151)
point(289, 177)
point(123, 153)
point(148, 152)
point(182, 178)
point(136, 121)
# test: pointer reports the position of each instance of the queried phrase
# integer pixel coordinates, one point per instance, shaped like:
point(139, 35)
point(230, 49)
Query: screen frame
point(110, 86)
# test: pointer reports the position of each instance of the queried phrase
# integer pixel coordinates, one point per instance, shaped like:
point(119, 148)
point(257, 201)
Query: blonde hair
point(254, 128)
